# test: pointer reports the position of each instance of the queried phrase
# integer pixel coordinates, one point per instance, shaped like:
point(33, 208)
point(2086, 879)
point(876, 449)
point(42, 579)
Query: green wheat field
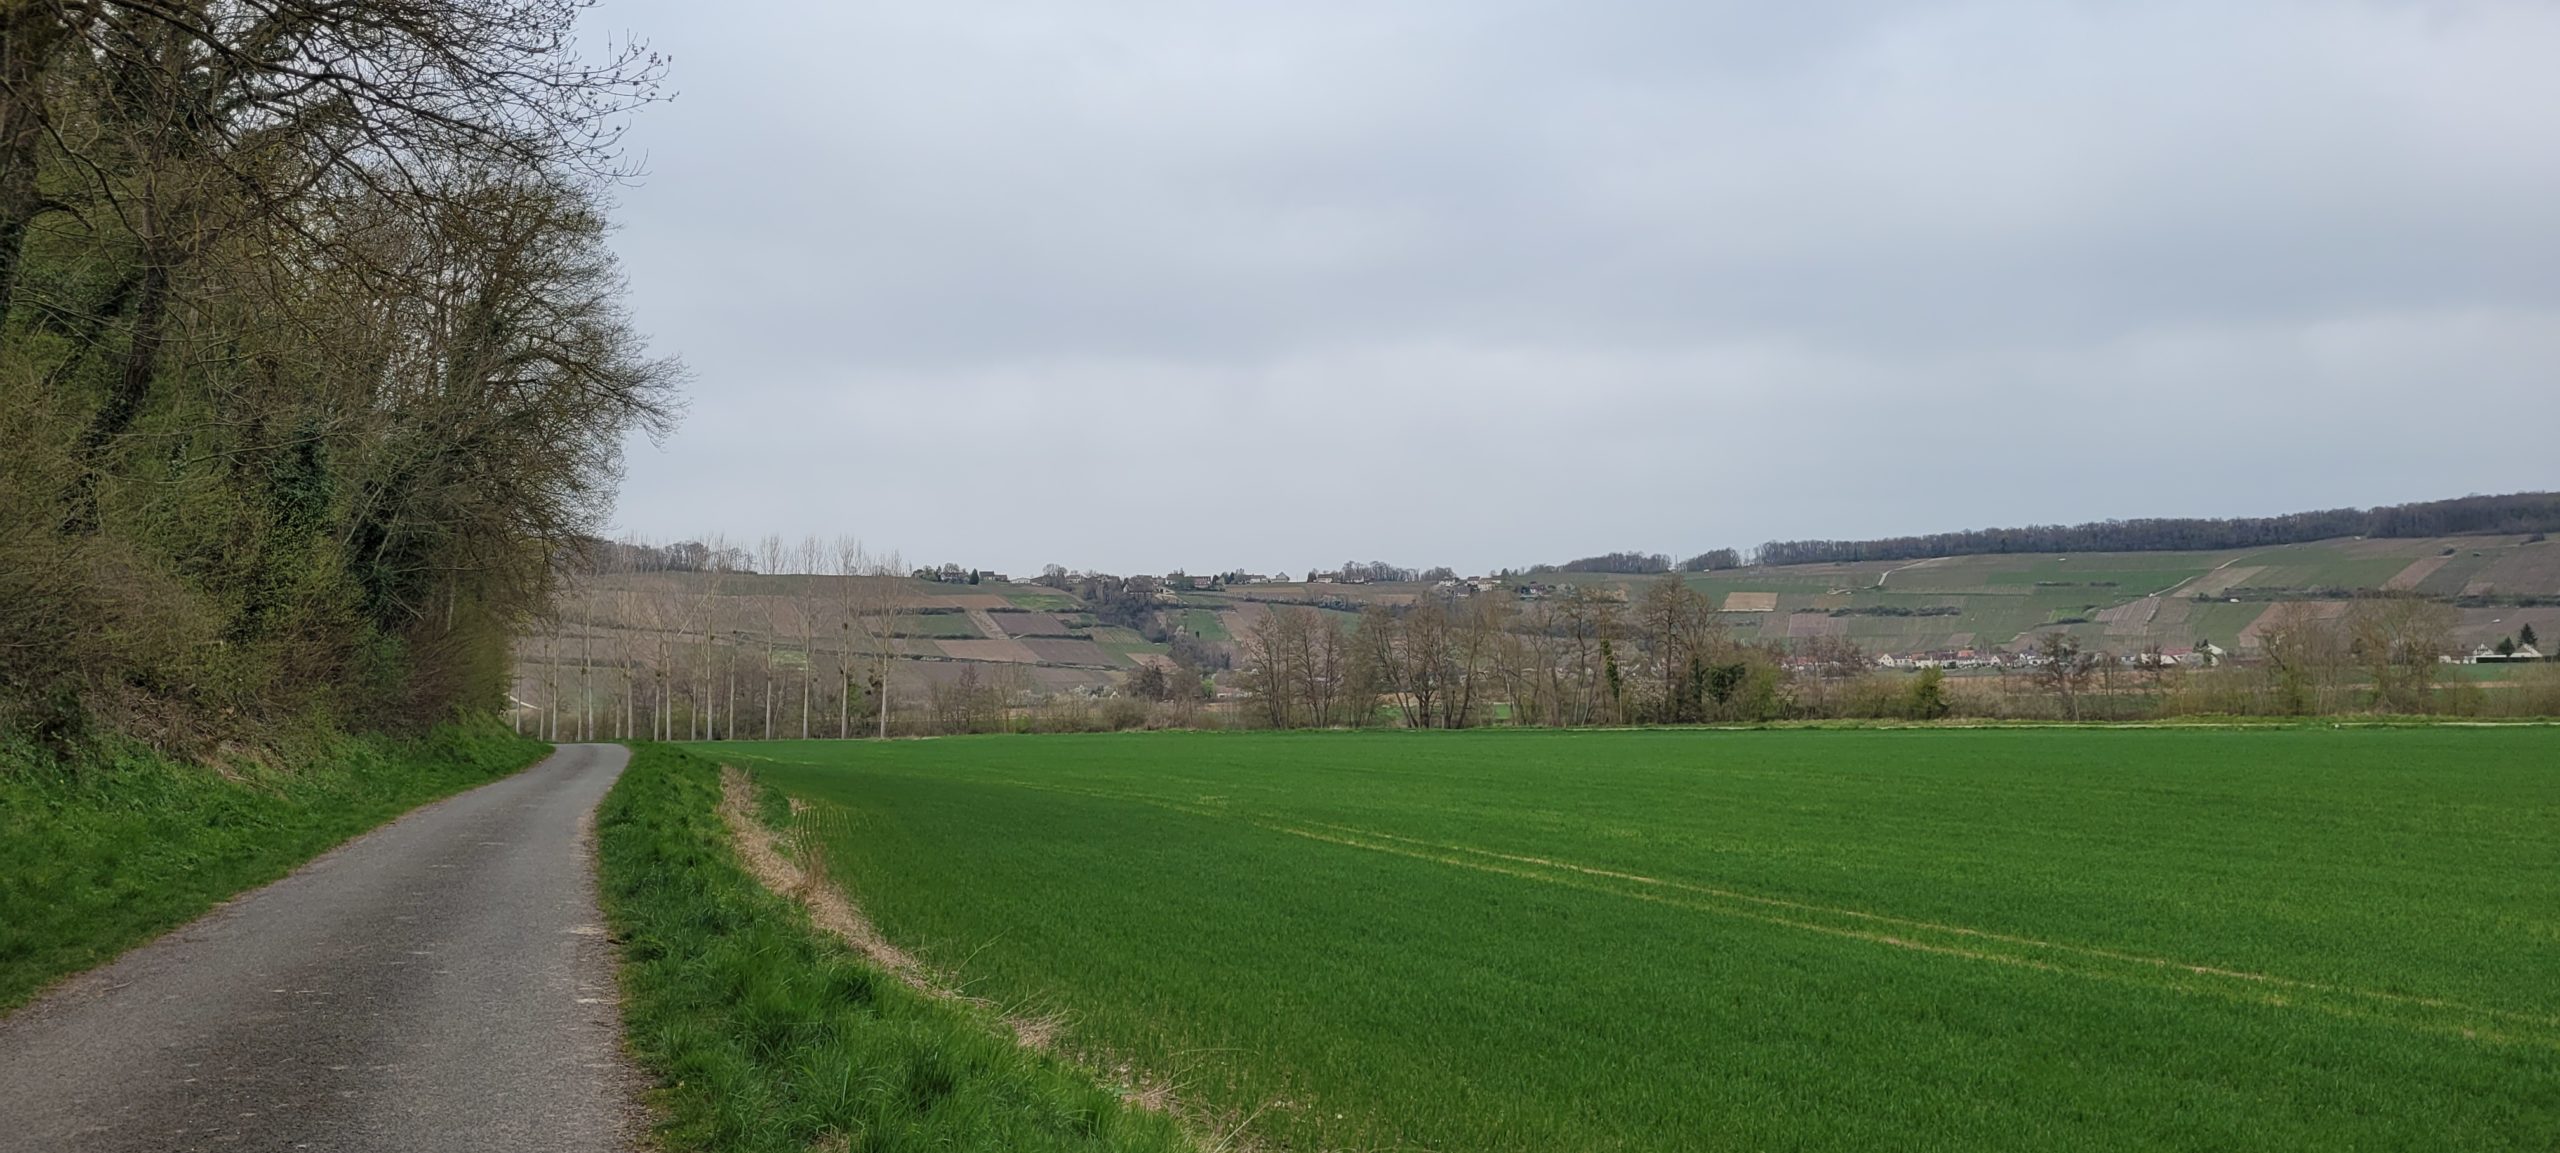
point(1935, 939)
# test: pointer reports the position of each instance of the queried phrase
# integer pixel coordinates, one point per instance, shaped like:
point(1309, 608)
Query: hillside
point(2117, 602)
point(2124, 601)
point(624, 644)
point(736, 638)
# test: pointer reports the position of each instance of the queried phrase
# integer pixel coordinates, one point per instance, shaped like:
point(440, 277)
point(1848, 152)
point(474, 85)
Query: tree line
point(1645, 563)
point(2517, 513)
point(1593, 656)
point(1585, 656)
point(2385, 648)
point(711, 654)
point(313, 362)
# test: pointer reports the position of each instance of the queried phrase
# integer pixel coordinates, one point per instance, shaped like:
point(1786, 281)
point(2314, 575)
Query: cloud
point(1145, 285)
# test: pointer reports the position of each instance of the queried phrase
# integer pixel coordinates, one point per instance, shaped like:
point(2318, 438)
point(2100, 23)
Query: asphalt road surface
point(442, 983)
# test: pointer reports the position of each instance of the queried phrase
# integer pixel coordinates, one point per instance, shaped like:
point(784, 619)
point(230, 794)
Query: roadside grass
point(767, 1035)
point(2001, 938)
point(104, 852)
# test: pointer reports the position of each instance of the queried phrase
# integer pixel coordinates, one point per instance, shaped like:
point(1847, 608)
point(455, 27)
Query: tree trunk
point(124, 404)
point(551, 662)
point(29, 34)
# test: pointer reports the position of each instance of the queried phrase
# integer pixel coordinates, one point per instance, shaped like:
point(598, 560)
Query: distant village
point(1171, 586)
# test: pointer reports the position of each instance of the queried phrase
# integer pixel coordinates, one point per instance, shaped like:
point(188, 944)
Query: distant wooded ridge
point(2522, 512)
point(2506, 514)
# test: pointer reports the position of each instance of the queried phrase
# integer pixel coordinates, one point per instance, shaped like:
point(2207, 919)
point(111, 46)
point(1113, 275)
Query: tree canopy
point(313, 362)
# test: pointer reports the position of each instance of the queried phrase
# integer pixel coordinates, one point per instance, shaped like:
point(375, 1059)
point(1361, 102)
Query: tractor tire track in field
point(2409, 1011)
point(2428, 1013)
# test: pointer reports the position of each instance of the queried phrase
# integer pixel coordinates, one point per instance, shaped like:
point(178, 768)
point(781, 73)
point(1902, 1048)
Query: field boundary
point(761, 852)
point(766, 1035)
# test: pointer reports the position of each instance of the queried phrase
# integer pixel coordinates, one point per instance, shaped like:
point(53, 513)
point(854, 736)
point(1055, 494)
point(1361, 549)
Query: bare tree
point(586, 654)
point(1683, 637)
point(1529, 666)
point(702, 618)
point(2064, 670)
point(876, 595)
point(2398, 640)
point(1418, 651)
point(630, 660)
point(806, 558)
point(1273, 654)
point(1593, 624)
point(1299, 668)
point(1479, 623)
point(551, 669)
point(2304, 652)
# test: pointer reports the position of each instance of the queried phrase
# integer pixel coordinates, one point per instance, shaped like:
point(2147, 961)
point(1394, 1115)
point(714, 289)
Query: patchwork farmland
point(2125, 601)
point(619, 638)
point(2020, 939)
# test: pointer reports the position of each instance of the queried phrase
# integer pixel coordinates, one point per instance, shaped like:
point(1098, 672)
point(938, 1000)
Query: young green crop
point(2057, 938)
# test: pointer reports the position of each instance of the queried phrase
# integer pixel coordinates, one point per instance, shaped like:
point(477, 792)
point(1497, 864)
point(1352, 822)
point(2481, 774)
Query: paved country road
point(442, 983)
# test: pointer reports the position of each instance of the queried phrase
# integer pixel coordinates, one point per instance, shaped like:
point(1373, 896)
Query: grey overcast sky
point(1139, 286)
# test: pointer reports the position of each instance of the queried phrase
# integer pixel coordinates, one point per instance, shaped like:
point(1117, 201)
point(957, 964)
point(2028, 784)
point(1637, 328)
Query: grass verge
point(766, 1035)
point(105, 851)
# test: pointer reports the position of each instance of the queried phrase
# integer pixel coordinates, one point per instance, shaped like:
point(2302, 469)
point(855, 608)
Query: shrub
point(1926, 699)
point(1123, 713)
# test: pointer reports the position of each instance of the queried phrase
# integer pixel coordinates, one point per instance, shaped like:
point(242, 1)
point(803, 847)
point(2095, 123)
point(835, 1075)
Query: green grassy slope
point(100, 855)
point(2028, 939)
point(1206, 624)
point(766, 1035)
point(2007, 599)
